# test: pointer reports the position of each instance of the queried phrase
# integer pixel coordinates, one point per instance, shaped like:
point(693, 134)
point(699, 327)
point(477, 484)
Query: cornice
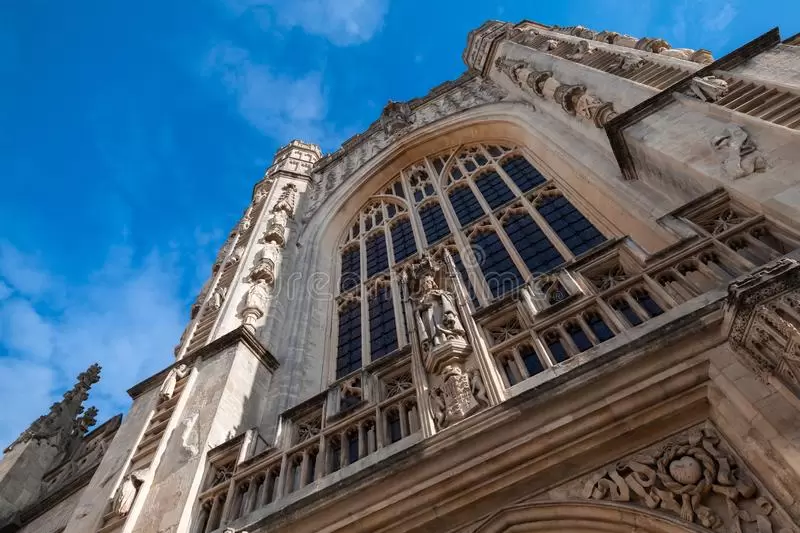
point(616, 126)
point(240, 335)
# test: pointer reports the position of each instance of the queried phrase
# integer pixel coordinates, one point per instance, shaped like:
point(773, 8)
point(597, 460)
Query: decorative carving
point(308, 429)
point(708, 88)
point(574, 99)
point(396, 117)
point(649, 44)
point(477, 388)
point(629, 62)
point(218, 297)
point(579, 51)
point(763, 316)
point(236, 256)
point(276, 228)
point(287, 201)
point(168, 387)
point(126, 494)
point(223, 252)
point(691, 477)
point(66, 423)
point(436, 314)
point(548, 45)
point(398, 384)
point(740, 155)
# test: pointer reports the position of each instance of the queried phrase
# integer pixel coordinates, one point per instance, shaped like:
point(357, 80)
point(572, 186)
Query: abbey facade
point(560, 293)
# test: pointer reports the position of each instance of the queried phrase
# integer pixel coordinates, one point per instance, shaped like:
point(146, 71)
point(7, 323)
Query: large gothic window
point(500, 219)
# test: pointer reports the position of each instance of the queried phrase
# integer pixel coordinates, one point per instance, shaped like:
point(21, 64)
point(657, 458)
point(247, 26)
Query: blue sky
point(132, 133)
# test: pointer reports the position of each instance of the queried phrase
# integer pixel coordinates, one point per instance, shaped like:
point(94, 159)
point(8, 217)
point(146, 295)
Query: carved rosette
point(692, 477)
point(740, 155)
point(762, 317)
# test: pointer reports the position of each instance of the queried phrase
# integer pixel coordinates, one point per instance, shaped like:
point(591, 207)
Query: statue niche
point(455, 390)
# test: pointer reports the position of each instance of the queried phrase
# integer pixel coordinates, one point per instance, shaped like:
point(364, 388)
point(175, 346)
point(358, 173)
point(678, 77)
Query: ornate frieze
point(739, 154)
point(763, 317)
point(647, 44)
point(693, 477)
point(481, 41)
point(449, 98)
point(574, 99)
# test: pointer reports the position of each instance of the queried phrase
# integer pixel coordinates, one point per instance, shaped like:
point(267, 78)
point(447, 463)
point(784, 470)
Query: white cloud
point(22, 271)
point(719, 19)
point(279, 106)
point(127, 317)
point(343, 22)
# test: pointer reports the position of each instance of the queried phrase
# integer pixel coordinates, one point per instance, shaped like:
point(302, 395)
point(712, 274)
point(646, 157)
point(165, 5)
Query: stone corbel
point(762, 322)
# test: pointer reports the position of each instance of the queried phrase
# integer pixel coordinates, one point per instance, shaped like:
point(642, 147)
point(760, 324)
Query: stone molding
point(240, 335)
point(469, 91)
point(762, 321)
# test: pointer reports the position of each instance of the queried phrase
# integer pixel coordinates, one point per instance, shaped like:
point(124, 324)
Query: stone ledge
point(615, 127)
point(240, 335)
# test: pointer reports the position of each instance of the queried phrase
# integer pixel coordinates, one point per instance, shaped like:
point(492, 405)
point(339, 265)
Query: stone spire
point(67, 421)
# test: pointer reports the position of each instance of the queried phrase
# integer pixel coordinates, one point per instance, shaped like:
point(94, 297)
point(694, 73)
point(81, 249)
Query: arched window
point(501, 220)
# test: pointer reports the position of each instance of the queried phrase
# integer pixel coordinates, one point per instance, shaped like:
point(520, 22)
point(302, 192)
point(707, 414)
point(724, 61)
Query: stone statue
point(438, 407)
point(437, 316)
point(258, 295)
point(478, 388)
point(168, 387)
point(708, 88)
point(741, 156)
point(579, 51)
point(126, 494)
point(218, 297)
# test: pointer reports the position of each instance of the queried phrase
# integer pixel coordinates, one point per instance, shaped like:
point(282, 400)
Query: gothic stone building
point(560, 293)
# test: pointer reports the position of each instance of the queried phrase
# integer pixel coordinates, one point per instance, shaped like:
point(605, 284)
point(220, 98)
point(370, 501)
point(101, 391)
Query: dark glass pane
point(571, 226)
point(494, 189)
point(498, 268)
point(462, 271)
point(598, 326)
point(351, 269)
point(465, 205)
point(643, 298)
point(553, 341)
point(579, 336)
point(506, 364)
point(398, 189)
point(393, 425)
point(382, 332)
point(312, 468)
point(622, 307)
point(297, 468)
point(533, 246)
point(352, 447)
point(480, 159)
point(377, 258)
point(335, 451)
point(403, 240)
point(438, 164)
point(348, 355)
point(433, 222)
point(522, 173)
point(494, 151)
point(531, 360)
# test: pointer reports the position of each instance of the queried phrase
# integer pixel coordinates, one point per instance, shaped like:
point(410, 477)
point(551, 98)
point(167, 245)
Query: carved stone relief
point(126, 494)
point(708, 88)
point(693, 477)
point(763, 317)
point(740, 156)
point(168, 387)
point(574, 99)
point(396, 117)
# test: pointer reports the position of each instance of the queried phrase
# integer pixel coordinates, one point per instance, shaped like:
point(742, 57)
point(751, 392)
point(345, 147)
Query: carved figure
point(629, 62)
point(708, 88)
point(218, 297)
point(276, 227)
point(126, 494)
point(437, 316)
point(740, 155)
point(438, 408)
point(478, 388)
point(579, 51)
point(549, 44)
point(396, 116)
point(168, 387)
point(678, 53)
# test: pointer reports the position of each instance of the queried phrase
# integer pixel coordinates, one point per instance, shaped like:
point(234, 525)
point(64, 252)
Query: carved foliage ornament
point(693, 478)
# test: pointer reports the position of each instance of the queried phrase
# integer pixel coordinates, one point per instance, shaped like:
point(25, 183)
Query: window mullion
point(510, 248)
point(397, 305)
point(416, 221)
point(555, 240)
point(364, 302)
point(462, 243)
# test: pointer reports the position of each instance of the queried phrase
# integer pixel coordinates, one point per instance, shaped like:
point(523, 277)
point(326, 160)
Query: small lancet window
point(382, 332)
point(377, 258)
point(433, 222)
point(522, 173)
point(465, 205)
point(403, 240)
point(348, 357)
